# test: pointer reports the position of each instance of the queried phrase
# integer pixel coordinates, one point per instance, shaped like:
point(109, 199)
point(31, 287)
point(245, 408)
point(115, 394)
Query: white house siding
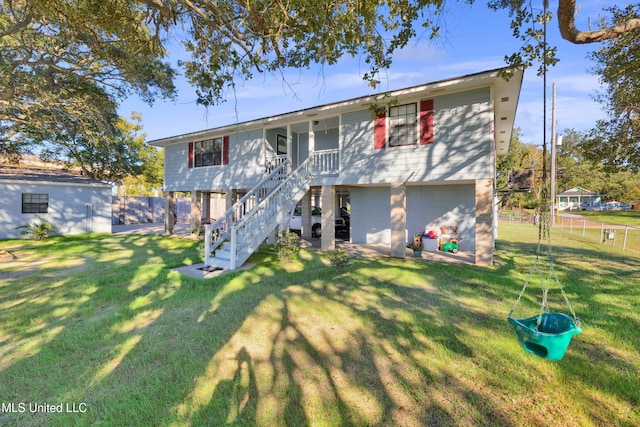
point(462, 147)
point(301, 148)
point(245, 168)
point(73, 208)
point(428, 207)
point(370, 219)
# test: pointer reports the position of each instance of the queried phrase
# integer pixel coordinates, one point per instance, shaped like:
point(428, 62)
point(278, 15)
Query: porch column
point(306, 222)
point(312, 139)
point(169, 212)
point(196, 209)
point(398, 205)
point(290, 144)
point(484, 222)
point(231, 196)
point(206, 204)
point(328, 240)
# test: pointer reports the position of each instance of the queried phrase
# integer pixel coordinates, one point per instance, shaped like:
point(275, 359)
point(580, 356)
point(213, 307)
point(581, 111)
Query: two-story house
point(408, 161)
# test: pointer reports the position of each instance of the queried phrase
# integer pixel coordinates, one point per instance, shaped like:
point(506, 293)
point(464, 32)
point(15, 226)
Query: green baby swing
point(547, 334)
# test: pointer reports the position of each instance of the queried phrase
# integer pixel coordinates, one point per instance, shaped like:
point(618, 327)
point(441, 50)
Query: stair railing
point(274, 198)
point(219, 230)
point(255, 227)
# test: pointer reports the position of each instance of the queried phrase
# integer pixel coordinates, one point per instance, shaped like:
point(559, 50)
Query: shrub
point(287, 246)
point(39, 230)
point(339, 258)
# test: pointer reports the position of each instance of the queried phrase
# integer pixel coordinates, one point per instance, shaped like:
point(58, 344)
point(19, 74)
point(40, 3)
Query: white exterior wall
point(245, 168)
point(462, 147)
point(428, 207)
point(370, 215)
point(73, 208)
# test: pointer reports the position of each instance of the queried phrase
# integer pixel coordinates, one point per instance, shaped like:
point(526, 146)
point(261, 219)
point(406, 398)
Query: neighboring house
point(408, 161)
point(75, 204)
point(578, 198)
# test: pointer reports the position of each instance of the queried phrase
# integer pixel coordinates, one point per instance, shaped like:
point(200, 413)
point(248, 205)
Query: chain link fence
point(624, 237)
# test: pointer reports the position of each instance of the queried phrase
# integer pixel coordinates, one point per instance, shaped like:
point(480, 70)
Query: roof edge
point(362, 100)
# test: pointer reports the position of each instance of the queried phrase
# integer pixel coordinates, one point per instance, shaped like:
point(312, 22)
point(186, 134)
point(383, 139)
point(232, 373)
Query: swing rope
point(552, 276)
point(544, 230)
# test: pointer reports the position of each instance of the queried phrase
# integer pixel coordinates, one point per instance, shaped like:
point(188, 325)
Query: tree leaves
point(63, 68)
point(65, 65)
point(615, 142)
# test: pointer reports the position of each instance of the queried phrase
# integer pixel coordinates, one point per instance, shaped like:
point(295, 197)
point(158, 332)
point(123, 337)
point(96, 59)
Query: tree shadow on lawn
point(382, 359)
point(275, 346)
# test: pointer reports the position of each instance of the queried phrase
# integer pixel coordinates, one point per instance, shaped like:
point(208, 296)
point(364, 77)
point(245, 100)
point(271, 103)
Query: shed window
point(35, 203)
point(403, 125)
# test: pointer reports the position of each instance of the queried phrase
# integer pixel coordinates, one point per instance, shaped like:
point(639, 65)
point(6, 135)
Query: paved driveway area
point(181, 228)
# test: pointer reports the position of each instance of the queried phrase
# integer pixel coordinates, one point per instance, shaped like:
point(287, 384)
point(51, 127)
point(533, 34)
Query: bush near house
point(39, 229)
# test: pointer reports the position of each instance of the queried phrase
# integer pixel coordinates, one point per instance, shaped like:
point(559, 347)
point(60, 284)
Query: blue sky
point(475, 39)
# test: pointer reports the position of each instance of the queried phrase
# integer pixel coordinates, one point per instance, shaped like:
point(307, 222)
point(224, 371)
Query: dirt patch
point(5, 256)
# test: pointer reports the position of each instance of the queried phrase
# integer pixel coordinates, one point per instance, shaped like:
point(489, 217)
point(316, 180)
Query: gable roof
point(578, 191)
point(505, 94)
point(16, 174)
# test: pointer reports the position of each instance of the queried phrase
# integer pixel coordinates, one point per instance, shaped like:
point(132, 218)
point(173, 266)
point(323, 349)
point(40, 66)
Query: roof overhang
point(505, 93)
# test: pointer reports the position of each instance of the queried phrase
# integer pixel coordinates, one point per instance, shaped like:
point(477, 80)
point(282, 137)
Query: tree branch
point(568, 30)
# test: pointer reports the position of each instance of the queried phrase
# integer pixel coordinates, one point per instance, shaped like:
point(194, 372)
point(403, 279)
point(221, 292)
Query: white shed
point(74, 203)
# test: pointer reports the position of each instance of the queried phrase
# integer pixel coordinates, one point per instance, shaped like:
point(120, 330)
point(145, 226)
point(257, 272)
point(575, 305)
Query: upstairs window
point(35, 203)
point(403, 125)
point(208, 152)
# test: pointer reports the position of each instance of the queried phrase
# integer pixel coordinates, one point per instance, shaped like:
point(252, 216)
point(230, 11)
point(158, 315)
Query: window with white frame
point(208, 152)
point(403, 125)
point(35, 203)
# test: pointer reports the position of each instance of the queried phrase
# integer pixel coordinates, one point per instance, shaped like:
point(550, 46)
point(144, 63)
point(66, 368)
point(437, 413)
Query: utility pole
point(553, 157)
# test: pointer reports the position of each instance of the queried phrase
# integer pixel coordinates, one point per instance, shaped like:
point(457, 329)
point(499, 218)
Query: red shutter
point(190, 154)
point(225, 150)
point(426, 121)
point(380, 129)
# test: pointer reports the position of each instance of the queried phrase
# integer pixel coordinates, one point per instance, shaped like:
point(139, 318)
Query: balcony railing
point(326, 162)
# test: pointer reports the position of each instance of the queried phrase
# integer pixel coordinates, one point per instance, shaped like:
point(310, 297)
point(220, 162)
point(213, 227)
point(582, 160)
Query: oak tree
point(615, 141)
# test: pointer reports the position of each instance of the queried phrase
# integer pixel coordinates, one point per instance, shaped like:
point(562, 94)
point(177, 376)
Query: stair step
point(221, 263)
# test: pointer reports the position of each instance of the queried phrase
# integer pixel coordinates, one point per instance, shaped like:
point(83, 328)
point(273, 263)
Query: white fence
point(624, 237)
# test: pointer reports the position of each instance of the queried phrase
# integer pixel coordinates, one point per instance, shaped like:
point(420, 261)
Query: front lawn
point(101, 327)
point(631, 218)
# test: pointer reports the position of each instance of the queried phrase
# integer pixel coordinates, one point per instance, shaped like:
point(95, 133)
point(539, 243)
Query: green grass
point(592, 224)
point(103, 323)
point(614, 217)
